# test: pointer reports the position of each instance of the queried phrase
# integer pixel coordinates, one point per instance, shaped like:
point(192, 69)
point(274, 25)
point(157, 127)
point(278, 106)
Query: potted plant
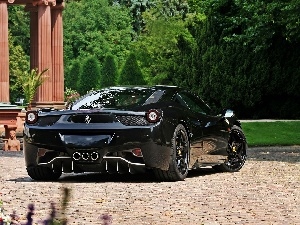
point(30, 83)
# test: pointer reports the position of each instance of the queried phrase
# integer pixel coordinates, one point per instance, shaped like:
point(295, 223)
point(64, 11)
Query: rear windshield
point(116, 98)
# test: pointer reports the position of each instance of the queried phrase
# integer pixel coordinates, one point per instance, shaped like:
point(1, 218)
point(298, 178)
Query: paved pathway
point(265, 191)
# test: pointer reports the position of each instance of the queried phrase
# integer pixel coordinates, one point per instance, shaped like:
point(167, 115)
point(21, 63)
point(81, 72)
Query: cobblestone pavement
point(265, 191)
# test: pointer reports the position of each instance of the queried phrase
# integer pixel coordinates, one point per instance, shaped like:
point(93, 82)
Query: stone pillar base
point(55, 105)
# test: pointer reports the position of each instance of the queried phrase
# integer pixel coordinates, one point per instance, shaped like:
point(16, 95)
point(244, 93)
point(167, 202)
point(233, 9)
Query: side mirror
point(228, 113)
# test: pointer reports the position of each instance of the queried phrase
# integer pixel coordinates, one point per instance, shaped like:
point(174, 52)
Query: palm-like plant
point(30, 83)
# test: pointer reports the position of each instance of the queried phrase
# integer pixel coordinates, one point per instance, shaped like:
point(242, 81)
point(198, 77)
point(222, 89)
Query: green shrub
point(72, 76)
point(131, 73)
point(89, 75)
point(109, 72)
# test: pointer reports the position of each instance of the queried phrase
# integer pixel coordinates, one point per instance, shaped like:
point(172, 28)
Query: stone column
point(4, 53)
point(45, 91)
point(57, 56)
point(33, 36)
point(34, 59)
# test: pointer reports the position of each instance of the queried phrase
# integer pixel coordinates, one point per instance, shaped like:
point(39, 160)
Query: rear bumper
point(109, 164)
point(56, 149)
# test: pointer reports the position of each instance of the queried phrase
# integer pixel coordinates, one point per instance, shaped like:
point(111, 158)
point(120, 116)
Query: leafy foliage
point(95, 28)
point(137, 8)
point(239, 54)
point(254, 22)
point(109, 72)
point(131, 73)
point(30, 83)
point(241, 63)
point(71, 79)
point(89, 75)
point(170, 8)
point(70, 96)
point(18, 24)
point(18, 63)
point(158, 47)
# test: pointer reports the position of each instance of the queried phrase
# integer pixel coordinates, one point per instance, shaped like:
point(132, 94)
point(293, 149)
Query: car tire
point(42, 173)
point(35, 171)
point(237, 149)
point(179, 159)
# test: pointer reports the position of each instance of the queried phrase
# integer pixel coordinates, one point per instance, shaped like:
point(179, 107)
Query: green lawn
point(272, 133)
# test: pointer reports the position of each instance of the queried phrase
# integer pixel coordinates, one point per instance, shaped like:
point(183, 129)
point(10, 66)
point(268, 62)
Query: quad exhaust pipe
point(85, 156)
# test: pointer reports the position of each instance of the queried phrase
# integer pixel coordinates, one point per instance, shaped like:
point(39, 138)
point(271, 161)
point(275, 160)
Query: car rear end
point(93, 140)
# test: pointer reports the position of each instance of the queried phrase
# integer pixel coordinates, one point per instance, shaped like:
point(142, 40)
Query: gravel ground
point(265, 191)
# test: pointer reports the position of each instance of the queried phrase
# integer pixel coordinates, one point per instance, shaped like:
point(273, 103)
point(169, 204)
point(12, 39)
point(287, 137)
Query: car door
point(208, 133)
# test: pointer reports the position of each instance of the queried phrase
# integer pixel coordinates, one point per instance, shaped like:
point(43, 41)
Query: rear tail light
point(153, 116)
point(137, 152)
point(31, 117)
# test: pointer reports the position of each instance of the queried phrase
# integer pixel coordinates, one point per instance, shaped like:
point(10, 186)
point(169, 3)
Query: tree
point(171, 8)
point(137, 8)
point(167, 8)
point(246, 56)
point(89, 75)
point(18, 63)
point(254, 23)
point(158, 47)
point(109, 72)
point(71, 79)
point(95, 28)
point(18, 23)
point(131, 73)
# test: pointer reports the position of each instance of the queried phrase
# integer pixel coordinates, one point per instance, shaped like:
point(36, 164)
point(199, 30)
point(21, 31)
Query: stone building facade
point(46, 52)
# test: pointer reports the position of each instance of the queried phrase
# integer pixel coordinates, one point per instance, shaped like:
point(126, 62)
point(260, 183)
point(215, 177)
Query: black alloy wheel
point(237, 151)
point(179, 160)
point(182, 153)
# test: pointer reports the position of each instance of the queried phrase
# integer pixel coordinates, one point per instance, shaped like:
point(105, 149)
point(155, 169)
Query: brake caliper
point(233, 149)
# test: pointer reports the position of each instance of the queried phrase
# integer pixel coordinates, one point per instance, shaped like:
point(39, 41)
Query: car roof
point(152, 87)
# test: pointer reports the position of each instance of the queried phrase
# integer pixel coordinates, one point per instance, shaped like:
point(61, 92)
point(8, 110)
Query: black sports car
point(163, 129)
